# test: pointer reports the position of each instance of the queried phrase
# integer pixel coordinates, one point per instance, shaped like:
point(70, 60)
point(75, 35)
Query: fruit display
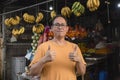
point(50, 34)
point(91, 50)
point(83, 47)
point(65, 11)
point(82, 33)
point(78, 8)
point(103, 51)
point(77, 33)
point(52, 14)
point(18, 31)
point(38, 28)
point(93, 5)
point(12, 21)
point(34, 43)
point(39, 17)
point(28, 18)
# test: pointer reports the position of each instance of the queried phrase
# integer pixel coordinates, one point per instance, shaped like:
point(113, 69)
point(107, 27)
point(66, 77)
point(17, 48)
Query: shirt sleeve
point(80, 54)
point(39, 53)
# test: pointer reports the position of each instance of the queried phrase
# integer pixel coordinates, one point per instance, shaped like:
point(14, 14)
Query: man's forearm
point(81, 68)
point(36, 69)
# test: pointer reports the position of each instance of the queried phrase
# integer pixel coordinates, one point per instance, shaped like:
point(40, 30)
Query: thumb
point(75, 49)
point(49, 48)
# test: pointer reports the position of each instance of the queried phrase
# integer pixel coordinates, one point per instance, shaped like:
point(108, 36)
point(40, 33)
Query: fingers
point(75, 49)
point(48, 47)
point(73, 55)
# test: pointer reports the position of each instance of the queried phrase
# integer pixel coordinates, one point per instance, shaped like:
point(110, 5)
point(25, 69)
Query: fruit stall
point(25, 28)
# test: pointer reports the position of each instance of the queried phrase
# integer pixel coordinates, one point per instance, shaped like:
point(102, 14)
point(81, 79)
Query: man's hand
point(50, 55)
point(74, 56)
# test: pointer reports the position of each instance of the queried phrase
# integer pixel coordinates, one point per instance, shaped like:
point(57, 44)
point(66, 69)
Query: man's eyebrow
point(59, 23)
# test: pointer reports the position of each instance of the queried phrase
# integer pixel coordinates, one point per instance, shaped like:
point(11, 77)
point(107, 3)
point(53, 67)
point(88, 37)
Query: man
point(58, 59)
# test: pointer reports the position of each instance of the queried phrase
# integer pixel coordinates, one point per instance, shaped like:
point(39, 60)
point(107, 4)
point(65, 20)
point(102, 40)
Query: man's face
point(59, 27)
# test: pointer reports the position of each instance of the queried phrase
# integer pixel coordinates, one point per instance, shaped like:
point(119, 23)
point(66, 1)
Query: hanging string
point(26, 7)
point(56, 7)
point(65, 2)
point(108, 13)
point(47, 13)
point(53, 4)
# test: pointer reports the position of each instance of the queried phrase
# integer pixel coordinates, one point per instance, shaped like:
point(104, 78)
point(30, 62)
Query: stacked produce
point(12, 21)
point(65, 11)
point(77, 33)
point(78, 8)
point(52, 14)
point(28, 18)
point(39, 17)
point(38, 28)
point(83, 47)
point(18, 31)
point(50, 35)
point(34, 43)
point(93, 5)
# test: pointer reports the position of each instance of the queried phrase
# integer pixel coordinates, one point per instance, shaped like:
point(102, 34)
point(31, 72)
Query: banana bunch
point(65, 11)
point(52, 14)
point(91, 50)
point(28, 18)
point(93, 5)
point(38, 28)
point(18, 31)
point(78, 8)
point(39, 17)
point(12, 21)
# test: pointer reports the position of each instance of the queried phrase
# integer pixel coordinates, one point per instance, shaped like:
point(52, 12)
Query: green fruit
point(74, 4)
point(37, 37)
point(33, 47)
point(35, 34)
point(77, 5)
point(82, 9)
point(35, 44)
point(32, 44)
point(34, 41)
point(33, 37)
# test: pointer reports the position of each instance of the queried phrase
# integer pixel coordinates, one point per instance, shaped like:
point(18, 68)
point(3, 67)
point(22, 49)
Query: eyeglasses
point(58, 25)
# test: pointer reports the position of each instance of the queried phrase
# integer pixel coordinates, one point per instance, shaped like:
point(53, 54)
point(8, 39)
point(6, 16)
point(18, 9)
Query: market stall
point(25, 28)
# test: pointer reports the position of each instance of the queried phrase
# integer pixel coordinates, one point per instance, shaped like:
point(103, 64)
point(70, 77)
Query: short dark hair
point(57, 17)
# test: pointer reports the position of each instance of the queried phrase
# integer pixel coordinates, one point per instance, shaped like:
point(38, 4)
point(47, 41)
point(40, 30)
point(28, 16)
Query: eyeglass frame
point(59, 25)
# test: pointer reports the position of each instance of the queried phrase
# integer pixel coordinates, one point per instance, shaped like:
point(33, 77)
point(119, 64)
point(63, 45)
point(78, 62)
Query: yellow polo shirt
point(62, 68)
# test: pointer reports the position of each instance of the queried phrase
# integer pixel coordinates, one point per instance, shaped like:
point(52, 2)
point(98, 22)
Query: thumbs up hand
point(50, 55)
point(73, 56)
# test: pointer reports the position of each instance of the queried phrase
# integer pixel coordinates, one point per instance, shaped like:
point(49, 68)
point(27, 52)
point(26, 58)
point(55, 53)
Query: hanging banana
point(78, 8)
point(39, 17)
point(65, 11)
point(93, 5)
point(52, 14)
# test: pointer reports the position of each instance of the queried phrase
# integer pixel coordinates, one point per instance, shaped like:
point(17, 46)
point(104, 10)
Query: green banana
point(74, 4)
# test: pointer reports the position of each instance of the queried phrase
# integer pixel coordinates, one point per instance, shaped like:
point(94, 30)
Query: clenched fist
point(73, 56)
point(50, 55)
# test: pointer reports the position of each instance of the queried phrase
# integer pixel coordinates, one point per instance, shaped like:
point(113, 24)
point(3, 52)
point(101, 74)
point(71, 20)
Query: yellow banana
point(88, 4)
point(22, 30)
point(39, 17)
point(7, 23)
point(98, 3)
point(34, 29)
point(52, 14)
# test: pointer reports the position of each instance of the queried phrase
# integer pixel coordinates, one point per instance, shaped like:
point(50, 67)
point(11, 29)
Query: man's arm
point(36, 68)
point(81, 68)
